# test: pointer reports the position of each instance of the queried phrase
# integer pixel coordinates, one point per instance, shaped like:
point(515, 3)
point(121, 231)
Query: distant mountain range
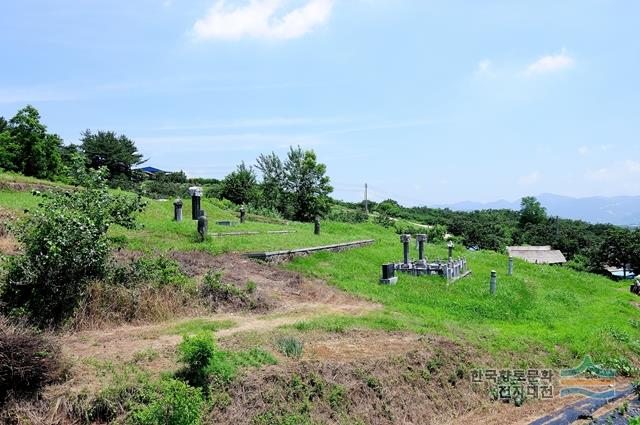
point(620, 210)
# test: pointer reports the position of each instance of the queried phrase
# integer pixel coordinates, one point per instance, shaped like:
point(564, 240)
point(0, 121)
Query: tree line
point(295, 187)
point(589, 247)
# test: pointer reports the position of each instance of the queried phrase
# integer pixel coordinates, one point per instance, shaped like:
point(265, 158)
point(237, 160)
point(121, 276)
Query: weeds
point(216, 291)
point(290, 346)
point(171, 402)
point(623, 367)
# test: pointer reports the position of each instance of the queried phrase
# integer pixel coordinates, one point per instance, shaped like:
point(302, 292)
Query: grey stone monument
point(421, 239)
point(203, 227)
point(316, 226)
point(510, 270)
point(388, 274)
point(405, 239)
point(177, 210)
point(242, 214)
point(196, 196)
point(492, 283)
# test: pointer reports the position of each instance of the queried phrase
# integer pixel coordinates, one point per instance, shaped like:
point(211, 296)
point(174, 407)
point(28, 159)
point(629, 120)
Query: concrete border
point(278, 256)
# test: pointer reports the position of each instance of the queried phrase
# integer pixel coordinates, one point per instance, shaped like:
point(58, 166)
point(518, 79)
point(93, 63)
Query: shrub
point(172, 403)
point(64, 247)
point(347, 215)
point(196, 353)
point(383, 220)
point(290, 346)
point(28, 361)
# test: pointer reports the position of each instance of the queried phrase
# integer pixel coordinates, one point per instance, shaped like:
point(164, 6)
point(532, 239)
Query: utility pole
point(366, 200)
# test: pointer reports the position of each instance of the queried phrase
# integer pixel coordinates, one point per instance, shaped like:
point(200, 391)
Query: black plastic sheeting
point(584, 409)
point(619, 418)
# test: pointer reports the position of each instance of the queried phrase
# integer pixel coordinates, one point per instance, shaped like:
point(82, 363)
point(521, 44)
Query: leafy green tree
point(240, 186)
point(531, 211)
point(116, 152)
point(306, 185)
point(64, 245)
point(272, 188)
point(390, 208)
point(635, 258)
point(8, 152)
point(27, 148)
point(618, 248)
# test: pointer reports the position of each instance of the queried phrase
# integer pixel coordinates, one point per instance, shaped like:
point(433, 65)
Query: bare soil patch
point(280, 290)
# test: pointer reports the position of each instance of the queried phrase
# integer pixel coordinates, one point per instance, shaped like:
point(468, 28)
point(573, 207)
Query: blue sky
point(427, 101)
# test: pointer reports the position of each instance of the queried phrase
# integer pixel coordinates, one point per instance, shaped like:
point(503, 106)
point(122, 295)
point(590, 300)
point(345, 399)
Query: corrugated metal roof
point(537, 254)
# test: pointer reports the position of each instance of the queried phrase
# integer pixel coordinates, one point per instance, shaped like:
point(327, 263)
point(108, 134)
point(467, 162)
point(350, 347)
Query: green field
point(543, 315)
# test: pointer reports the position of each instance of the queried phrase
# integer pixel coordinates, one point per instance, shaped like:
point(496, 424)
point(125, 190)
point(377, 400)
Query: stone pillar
point(203, 227)
point(421, 239)
point(492, 283)
point(196, 196)
point(510, 271)
point(242, 214)
point(316, 226)
point(405, 239)
point(450, 246)
point(445, 271)
point(177, 210)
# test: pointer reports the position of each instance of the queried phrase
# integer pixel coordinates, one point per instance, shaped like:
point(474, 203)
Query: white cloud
point(632, 166)
point(618, 173)
point(550, 63)
point(600, 175)
point(584, 150)
point(270, 19)
point(529, 178)
point(484, 66)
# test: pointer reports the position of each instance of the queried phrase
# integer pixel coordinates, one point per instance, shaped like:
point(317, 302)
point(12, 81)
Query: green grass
point(541, 316)
point(194, 326)
point(159, 232)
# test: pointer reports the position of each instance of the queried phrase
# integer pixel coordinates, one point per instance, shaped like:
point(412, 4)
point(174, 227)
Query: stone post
point(492, 283)
point(196, 195)
point(316, 226)
point(203, 227)
point(405, 239)
point(242, 214)
point(510, 271)
point(450, 246)
point(177, 210)
point(421, 239)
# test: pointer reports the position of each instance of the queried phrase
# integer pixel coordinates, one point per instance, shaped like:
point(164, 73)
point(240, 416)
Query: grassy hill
point(543, 315)
point(368, 353)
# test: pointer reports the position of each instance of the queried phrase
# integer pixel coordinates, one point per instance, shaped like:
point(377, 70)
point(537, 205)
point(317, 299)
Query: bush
point(347, 215)
point(383, 220)
point(205, 363)
point(64, 247)
point(28, 361)
point(173, 403)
